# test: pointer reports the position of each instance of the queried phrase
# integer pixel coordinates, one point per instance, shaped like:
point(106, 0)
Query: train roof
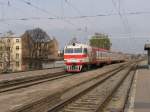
point(77, 45)
point(85, 46)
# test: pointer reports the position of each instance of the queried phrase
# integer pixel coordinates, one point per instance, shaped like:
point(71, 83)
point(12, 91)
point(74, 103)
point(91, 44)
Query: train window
point(77, 50)
point(85, 50)
point(68, 50)
point(97, 53)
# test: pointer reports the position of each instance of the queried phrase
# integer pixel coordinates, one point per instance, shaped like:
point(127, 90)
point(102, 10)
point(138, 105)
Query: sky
point(125, 21)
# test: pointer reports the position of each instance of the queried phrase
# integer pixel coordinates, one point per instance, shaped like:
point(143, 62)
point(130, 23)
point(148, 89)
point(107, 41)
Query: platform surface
point(142, 94)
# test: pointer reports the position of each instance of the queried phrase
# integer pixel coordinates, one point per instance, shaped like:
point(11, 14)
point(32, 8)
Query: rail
point(67, 101)
point(30, 81)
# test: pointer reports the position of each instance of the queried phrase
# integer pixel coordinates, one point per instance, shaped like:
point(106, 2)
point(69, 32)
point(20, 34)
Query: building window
point(17, 47)
point(8, 40)
point(1, 65)
point(1, 48)
point(17, 40)
point(8, 48)
point(17, 56)
point(0, 55)
point(17, 64)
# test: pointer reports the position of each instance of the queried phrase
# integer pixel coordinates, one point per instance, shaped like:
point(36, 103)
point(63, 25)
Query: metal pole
point(149, 59)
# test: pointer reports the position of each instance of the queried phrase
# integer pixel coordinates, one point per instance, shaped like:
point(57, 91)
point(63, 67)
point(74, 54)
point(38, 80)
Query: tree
point(37, 47)
point(101, 41)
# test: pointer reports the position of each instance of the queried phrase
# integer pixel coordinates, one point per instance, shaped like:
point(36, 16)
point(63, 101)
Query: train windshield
point(77, 50)
point(73, 50)
point(68, 50)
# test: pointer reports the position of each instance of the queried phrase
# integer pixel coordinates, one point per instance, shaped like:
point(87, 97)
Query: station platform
point(140, 97)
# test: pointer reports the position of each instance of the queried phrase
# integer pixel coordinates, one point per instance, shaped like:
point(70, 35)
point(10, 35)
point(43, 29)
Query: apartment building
point(28, 51)
point(10, 54)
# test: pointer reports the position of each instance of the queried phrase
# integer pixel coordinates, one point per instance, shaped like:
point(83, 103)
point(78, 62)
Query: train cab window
point(77, 50)
point(85, 50)
point(68, 50)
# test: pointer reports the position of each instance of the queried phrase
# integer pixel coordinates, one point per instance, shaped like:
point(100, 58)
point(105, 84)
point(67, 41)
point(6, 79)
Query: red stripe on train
point(75, 56)
point(76, 63)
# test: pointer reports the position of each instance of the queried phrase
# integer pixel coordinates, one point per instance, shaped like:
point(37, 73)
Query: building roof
point(11, 36)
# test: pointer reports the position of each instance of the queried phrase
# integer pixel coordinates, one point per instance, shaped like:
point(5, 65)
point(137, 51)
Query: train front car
point(76, 57)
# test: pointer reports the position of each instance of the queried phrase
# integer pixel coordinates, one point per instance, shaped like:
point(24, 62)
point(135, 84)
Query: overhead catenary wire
point(2, 10)
point(10, 5)
point(3, 14)
point(66, 18)
point(130, 30)
point(7, 25)
point(36, 7)
point(62, 9)
point(57, 17)
point(73, 17)
point(48, 12)
point(126, 19)
point(78, 11)
point(121, 16)
point(73, 7)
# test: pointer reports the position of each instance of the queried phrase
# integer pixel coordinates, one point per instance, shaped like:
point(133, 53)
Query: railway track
point(97, 97)
point(4, 73)
point(30, 81)
point(117, 102)
point(6, 86)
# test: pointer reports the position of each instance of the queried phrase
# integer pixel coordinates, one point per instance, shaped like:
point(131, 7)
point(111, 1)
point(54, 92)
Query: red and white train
point(80, 57)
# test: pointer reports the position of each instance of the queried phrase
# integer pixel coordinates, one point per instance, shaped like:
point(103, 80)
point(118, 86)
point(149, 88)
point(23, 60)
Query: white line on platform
point(133, 92)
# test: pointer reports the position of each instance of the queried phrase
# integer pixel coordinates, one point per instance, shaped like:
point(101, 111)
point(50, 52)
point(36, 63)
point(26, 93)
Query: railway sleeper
point(94, 93)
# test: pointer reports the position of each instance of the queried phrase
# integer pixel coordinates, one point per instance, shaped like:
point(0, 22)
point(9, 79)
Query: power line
point(62, 9)
point(126, 19)
point(2, 10)
point(125, 23)
point(74, 17)
point(36, 7)
point(119, 5)
point(73, 7)
point(47, 12)
point(78, 11)
point(123, 18)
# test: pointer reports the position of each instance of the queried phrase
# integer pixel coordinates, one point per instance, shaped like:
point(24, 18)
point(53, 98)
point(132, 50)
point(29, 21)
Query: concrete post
point(148, 59)
point(147, 47)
